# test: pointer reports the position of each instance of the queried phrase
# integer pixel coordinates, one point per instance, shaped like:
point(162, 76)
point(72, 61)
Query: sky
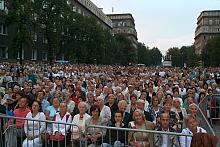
point(162, 23)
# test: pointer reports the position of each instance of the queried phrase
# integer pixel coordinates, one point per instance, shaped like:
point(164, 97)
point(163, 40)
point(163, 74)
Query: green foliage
point(186, 54)
point(149, 57)
point(211, 53)
point(80, 38)
point(20, 16)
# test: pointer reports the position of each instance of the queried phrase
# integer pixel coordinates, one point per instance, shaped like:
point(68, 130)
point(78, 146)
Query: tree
point(51, 16)
point(156, 56)
point(211, 52)
point(20, 15)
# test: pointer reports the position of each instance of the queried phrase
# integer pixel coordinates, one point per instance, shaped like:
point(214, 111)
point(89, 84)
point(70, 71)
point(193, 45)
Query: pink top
point(18, 113)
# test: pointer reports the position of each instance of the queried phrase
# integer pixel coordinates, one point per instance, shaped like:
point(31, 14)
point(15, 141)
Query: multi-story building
point(39, 51)
point(125, 24)
point(208, 26)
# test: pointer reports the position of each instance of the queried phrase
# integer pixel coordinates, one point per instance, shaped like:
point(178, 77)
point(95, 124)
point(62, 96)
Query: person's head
point(176, 93)
point(133, 98)
point(120, 96)
point(82, 107)
point(169, 98)
point(190, 100)
point(190, 93)
point(16, 89)
point(90, 97)
point(40, 95)
point(95, 111)
point(138, 116)
point(143, 96)
point(176, 103)
point(122, 105)
point(164, 120)
point(36, 107)
point(167, 106)
point(100, 101)
point(56, 102)
point(63, 107)
point(193, 109)
point(191, 122)
point(23, 102)
point(111, 98)
point(98, 92)
point(210, 92)
point(130, 88)
point(140, 104)
point(118, 116)
point(67, 96)
point(155, 101)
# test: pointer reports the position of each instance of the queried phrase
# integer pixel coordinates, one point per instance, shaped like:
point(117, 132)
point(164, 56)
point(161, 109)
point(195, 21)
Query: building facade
point(38, 51)
point(208, 27)
point(125, 24)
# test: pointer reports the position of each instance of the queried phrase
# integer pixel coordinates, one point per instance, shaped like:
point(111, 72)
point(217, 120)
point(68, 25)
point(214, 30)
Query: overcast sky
point(162, 23)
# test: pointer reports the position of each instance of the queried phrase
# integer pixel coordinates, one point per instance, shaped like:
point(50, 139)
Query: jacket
point(172, 140)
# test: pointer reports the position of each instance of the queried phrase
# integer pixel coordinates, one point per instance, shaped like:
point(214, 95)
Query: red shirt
point(17, 113)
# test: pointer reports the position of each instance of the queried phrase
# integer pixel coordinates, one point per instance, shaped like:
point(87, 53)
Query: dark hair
point(119, 112)
point(95, 107)
point(40, 108)
point(133, 95)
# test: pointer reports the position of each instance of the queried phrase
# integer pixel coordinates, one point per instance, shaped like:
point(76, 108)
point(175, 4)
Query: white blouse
point(34, 128)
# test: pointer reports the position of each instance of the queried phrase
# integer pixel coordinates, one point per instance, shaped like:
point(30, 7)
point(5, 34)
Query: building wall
point(208, 27)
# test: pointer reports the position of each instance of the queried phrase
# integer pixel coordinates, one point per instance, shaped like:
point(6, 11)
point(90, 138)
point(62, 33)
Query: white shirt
point(80, 123)
point(105, 114)
point(183, 140)
point(165, 139)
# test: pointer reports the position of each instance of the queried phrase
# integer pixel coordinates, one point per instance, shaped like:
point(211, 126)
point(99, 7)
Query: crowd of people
point(146, 98)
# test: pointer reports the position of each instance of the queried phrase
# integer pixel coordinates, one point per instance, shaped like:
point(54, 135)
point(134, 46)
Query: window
point(74, 8)
point(4, 52)
point(18, 54)
point(44, 56)
point(216, 22)
point(3, 29)
point(79, 11)
point(45, 40)
point(210, 22)
point(34, 55)
point(34, 37)
point(2, 5)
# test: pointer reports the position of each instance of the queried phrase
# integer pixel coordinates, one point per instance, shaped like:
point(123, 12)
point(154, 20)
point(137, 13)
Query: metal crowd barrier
point(14, 136)
point(210, 108)
point(106, 139)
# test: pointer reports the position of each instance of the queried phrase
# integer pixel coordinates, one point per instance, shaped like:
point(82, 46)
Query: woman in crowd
point(155, 109)
point(136, 139)
point(167, 109)
point(94, 135)
point(180, 113)
point(116, 138)
point(59, 131)
point(192, 128)
point(33, 129)
point(79, 120)
point(132, 107)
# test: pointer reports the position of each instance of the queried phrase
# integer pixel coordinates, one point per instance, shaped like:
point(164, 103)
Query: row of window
point(4, 54)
